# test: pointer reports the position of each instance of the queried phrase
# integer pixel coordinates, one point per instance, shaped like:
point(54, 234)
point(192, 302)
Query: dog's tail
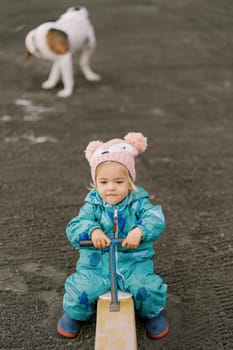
point(27, 54)
point(82, 11)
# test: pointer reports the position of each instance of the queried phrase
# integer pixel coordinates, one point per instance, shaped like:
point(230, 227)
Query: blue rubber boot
point(157, 327)
point(67, 327)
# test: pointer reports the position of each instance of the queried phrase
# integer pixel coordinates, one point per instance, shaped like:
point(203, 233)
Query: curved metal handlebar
point(89, 243)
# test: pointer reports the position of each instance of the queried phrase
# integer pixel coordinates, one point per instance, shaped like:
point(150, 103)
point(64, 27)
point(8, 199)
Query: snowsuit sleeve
point(151, 220)
point(80, 227)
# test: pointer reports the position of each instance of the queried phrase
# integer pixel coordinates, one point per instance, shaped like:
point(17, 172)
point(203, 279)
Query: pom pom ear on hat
point(137, 140)
point(91, 148)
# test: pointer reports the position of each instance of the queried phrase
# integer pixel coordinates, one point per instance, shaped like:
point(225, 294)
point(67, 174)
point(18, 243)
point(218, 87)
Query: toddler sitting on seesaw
point(140, 223)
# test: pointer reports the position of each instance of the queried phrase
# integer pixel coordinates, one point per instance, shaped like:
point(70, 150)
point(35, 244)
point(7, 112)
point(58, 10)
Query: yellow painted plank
point(115, 330)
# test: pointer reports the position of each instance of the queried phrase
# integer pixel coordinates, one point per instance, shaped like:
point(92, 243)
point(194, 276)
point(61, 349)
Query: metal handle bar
point(89, 243)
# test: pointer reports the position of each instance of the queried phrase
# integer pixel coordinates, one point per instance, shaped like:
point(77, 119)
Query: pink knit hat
point(118, 150)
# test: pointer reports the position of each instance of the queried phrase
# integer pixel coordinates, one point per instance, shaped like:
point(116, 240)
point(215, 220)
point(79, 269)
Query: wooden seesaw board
point(115, 330)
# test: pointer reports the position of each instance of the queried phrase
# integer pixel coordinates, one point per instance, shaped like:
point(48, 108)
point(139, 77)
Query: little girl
point(139, 224)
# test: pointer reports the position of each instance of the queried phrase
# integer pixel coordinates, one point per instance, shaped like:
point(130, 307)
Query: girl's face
point(112, 182)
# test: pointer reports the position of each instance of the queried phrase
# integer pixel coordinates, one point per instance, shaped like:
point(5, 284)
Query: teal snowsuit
point(134, 266)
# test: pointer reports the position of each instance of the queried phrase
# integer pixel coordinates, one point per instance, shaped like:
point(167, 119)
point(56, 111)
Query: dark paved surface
point(167, 70)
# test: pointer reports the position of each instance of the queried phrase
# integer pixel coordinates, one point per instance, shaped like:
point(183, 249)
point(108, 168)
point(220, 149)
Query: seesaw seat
point(115, 330)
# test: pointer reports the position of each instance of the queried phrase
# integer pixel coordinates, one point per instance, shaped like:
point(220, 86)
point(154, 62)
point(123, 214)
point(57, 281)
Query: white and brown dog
point(57, 41)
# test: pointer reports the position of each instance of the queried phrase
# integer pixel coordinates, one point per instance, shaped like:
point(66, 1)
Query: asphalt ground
point(167, 71)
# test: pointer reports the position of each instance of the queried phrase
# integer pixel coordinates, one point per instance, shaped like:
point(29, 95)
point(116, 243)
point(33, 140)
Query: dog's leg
point(53, 78)
point(67, 75)
point(84, 62)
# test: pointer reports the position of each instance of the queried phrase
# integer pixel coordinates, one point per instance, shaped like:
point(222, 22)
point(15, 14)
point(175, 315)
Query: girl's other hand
point(133, 239)
point(99, 239)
